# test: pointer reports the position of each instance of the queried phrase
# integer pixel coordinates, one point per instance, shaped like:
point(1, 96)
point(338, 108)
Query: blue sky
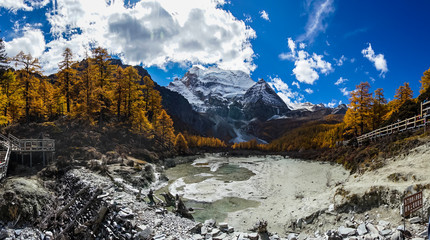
point(302, 48)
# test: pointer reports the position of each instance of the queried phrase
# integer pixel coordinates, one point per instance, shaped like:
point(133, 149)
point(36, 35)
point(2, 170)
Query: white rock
point(372, 229)
point(345, 232)
point(215, 232)
point(292, 236)
point(383, 223)
point(397, 236)
point(331, 208)
point(361, 229)
point(415, 220)
point(253, 236)
point(197, 237)
point(220, 236)
point(386, 232)
point(223, 225)
point(144, 232)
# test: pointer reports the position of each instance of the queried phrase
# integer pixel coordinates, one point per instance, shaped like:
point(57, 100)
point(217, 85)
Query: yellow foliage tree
point(67, 77)
point(28, 81)
point(425, 81)
point(360, 106)
point(181, 144)
point(164, 127)
point(379, 108)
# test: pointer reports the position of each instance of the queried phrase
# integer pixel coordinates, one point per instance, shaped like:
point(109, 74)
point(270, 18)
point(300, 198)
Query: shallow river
point(241, 190)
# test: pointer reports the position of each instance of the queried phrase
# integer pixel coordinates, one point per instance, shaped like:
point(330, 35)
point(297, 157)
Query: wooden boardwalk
point(22, 147)
point(416, 122)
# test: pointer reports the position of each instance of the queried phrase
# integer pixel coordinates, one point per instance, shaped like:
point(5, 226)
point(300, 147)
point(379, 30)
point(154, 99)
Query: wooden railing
point(406, 124)
point(22, 146)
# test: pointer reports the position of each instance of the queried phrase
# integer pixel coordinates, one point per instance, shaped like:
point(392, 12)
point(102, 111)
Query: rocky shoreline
point(85, 204)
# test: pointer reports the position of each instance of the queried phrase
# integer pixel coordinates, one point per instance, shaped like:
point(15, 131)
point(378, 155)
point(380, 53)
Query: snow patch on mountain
point(203, 86)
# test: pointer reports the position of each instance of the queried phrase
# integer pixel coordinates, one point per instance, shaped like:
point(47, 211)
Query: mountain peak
point(261, 81)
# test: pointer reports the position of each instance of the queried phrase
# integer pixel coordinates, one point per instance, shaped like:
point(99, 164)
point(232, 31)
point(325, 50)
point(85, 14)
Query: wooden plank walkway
point(22, 146)
point(406, 124)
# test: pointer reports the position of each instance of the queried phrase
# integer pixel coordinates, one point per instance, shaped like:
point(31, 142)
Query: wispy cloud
point(355, 32)
point(309, 91)
point(377, 59)
point(345, 92)
point(294, 83)
point(264, 15)
point(316, 21)
point(340, 81)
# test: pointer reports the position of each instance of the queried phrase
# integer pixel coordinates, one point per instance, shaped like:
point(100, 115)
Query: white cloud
point(340, 81)
point(29, 40)
point(248, 18)
point(309, 91)
point(378, 60)
point(307, 67)
point(320, 10)
point(296, 84)
point(332, 104)
point(340, 61)
point(15, 5)
point(154, 33)
point(345, 92)
point(264, 15)
point(302, 45)
point(292, 99)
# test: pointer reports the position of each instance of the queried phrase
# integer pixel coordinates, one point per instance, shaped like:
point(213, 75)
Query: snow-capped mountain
point(204, 87)
point(231, 99)
point(262, 102)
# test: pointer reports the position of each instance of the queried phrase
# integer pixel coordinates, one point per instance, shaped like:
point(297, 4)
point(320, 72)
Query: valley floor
point(315, 205)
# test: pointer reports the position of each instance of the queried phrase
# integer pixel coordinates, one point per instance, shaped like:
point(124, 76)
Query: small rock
point(361, 229)
point(415, 220)
point(159, 237)
point(210, 223)
point(401, 228)
point(18, 232)
point(274, 237)
point(417, 239)
point(383, 223)
point(253, 236)
point(292, 236)
point(372, 229)
point(331, 208)
point(215, 232)
point(350, 224)
point(230, 229)
point(346, 232)
point(204, 230)
point(223, 225)
point(144, 233)
point(386, 232)
point(423, 234)
point(220, 236)
point(197, 237)
point(397, 236)
point(158, 222)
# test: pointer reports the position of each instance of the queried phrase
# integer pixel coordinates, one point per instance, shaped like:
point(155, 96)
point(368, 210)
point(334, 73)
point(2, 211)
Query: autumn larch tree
point(360, 106)
point(103, 71)
point(379, 108)
point(67, 76)
point(425, 81)
point(181, 144)
point(164, 127)
point(30, 66)
point(133, 90)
